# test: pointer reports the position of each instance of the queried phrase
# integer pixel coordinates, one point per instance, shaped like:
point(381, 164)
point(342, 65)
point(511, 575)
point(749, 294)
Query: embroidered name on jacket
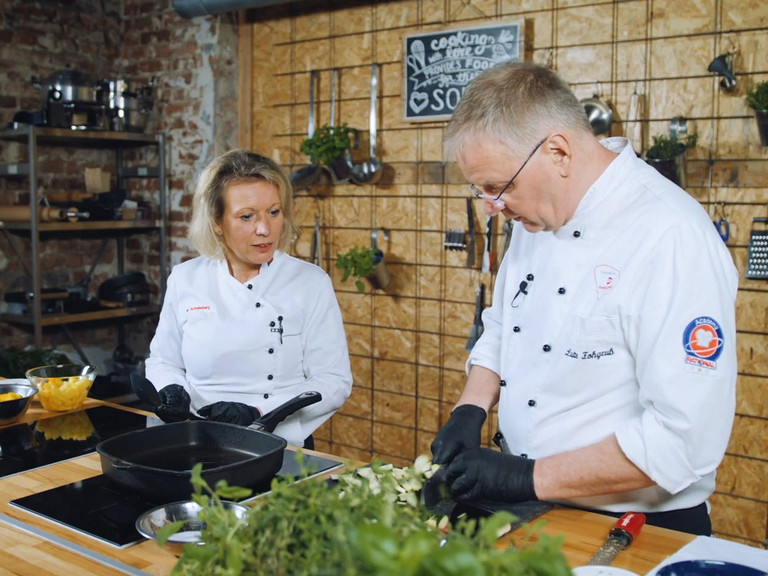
point(703, 342)
point(193, 308)
point(593, 355)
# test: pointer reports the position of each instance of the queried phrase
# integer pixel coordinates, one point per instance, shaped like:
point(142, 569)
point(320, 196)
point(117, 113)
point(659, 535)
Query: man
point(610, 347)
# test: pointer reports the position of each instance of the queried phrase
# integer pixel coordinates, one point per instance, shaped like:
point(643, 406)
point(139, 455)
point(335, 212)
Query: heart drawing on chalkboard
point(418, 101)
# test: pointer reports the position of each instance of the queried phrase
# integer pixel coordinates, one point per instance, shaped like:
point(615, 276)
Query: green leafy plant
point(668, 147)
point(358, 262)
point(327, 143)
point(367, 522)
point(14, 362)
point(757, 96)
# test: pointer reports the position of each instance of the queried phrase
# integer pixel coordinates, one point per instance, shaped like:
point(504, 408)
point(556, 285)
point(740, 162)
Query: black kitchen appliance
point(106, 511)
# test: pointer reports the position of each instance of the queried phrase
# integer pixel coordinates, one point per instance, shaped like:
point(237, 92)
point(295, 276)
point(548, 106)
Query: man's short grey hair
point(517, 103)
point(208, 200)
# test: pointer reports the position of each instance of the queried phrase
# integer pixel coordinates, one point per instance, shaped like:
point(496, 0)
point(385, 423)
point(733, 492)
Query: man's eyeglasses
point(490, 197)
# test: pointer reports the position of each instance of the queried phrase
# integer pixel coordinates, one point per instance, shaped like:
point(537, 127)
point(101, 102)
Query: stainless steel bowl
point(186, 511)
point(12, 410)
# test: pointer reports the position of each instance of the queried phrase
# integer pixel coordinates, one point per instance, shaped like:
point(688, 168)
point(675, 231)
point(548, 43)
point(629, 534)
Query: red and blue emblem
point(703, 342)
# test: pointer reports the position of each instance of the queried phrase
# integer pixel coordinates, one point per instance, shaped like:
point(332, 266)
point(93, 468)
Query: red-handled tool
point(620, 537)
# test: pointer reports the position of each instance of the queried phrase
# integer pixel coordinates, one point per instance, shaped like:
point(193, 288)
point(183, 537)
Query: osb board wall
point(408, 343)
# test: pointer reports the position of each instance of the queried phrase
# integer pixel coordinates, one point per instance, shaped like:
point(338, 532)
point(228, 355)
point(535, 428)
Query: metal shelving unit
point(37, 137)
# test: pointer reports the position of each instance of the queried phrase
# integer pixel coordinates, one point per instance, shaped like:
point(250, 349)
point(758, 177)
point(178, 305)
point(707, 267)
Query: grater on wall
point(757, 253)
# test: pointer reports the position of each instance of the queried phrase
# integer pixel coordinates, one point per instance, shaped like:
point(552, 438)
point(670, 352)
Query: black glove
point(485, 474)
point(461, 432)
point(174, 404)
point(230, 412)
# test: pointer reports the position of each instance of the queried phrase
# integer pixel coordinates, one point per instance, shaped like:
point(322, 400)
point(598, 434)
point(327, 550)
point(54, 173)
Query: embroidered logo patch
point(703, 342)
point(606, 278)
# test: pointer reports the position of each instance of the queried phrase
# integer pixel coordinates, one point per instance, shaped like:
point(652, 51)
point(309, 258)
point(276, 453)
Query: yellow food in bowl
point(60, 394)
point(8, 396)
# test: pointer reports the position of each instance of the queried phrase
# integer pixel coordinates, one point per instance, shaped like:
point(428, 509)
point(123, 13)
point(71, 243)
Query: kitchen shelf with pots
point(45, 228)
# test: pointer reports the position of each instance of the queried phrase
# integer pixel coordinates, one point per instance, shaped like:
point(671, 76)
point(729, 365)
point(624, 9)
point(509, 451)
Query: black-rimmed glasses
point(490, 197)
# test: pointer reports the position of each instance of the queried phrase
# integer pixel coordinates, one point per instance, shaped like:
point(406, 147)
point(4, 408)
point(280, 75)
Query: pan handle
point(271, 419)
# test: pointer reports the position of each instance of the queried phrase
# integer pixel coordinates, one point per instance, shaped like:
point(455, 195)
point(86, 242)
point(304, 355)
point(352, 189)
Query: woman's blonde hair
point(208, 201)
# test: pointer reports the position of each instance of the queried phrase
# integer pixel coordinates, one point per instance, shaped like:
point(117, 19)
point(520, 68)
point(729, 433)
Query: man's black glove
point(174, 404)
point(230, 412)
point(461, 432)
point(485, 474)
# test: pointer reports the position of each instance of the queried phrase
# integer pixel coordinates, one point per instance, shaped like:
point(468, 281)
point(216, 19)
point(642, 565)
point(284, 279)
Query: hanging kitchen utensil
point(477, 327)
point(488, 259)
point(508, 223)
point(455, 239)
point(599, 113)
point(370, 172)
point(757, 251)
point(721, 223)
point(634, 124)
point(471, 246)
point(317, 256)
point(306, 176)
point(341, 167)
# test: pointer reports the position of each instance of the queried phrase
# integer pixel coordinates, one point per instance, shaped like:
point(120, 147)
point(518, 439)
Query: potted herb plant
point(757, 99)
point(364, 263)
point(330, 145)
point(667, 155)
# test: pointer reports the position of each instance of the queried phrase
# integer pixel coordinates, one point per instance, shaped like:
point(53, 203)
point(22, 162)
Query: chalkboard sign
point(438, 66)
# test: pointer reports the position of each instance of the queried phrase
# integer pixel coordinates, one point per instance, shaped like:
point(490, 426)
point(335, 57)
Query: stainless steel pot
point(67, 85)
point(128, 105)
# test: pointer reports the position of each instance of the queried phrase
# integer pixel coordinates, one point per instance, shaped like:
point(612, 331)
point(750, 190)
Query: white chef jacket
point(261, 342)
point(625, 325)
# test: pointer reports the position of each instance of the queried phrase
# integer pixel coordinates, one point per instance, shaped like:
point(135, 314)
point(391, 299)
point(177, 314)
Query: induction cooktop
point(100, 508)
point(34, 444)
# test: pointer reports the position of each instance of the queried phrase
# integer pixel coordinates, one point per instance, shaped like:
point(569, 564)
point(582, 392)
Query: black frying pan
point(157, 461)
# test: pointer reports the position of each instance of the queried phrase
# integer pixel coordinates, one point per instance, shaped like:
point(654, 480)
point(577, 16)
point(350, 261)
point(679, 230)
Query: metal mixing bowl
point(12, 410)
point(186, 511)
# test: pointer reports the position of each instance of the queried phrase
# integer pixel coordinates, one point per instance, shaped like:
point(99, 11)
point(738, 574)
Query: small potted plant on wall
point(364, 263)
point(757, 99)
point(330, 145)
point(667, 155)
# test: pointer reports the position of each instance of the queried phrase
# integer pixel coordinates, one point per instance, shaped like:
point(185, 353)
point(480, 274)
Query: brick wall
point(190, 62)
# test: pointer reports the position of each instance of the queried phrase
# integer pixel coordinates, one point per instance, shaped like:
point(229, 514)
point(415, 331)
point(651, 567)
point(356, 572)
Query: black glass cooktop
point(103, 510)
point(31, 445)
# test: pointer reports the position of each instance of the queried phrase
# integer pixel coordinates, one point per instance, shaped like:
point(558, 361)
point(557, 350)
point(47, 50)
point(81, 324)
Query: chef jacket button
point(531, 403)
point(270, 377)
point(271, 350)
point(529, 277)
point(516, 329)
point(523, 455)
point(546, 347)
point(561, 290)
point(272, 324)
point(266, 396)
point(503, 383)
point(258, 304)
point(576, 233)
point(250, 286)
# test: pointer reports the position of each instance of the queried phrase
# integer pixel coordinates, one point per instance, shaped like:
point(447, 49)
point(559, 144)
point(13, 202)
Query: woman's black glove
point(461, 432)
point(174, 404)
point(485, 474)
point(230, 412)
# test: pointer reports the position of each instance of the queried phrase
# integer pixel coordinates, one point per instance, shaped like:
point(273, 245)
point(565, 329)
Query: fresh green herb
point(327, 143)
point(668, 147)
point(358, 262)
point(366, 523)
point(14, 362)
point(757, 96)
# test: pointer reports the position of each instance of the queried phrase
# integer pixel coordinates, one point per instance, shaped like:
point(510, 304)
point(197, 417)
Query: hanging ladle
point(305, 176)
point(370, 172)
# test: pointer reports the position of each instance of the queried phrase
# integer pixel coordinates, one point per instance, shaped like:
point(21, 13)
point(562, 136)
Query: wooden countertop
point(30, 542)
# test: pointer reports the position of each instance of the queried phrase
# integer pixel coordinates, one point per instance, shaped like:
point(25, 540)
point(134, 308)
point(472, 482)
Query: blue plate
point(708, 568)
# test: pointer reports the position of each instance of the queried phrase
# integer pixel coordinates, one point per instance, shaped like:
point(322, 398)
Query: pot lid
point(69, 77)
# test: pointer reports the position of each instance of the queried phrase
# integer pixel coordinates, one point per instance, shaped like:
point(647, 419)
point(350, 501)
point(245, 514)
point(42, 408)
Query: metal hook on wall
point(375, 236)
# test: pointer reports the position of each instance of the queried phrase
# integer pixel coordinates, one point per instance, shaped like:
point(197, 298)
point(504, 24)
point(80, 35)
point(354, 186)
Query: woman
point(245, 327)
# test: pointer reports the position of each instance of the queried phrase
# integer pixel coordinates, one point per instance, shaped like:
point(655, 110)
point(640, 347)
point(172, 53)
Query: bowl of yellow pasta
point(15, 397)
point(62, 386)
